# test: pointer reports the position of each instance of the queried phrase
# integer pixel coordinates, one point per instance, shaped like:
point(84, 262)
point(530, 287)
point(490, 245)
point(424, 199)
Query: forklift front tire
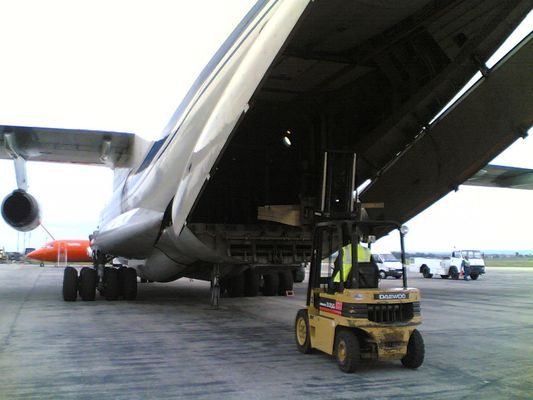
point(347, 350)
point(301, 331)
point(415, 351)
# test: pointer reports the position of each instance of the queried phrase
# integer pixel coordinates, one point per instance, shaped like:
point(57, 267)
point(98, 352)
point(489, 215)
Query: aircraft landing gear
point(215, 285)
point(87, 284)
point(112, 283)
point(70, 284)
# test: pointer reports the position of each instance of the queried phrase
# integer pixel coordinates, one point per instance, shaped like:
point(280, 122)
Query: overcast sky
point(125, 66)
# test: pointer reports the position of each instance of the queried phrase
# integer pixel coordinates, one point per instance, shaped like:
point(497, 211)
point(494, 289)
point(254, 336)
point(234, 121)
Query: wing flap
point(66, 145)
point(503, 177)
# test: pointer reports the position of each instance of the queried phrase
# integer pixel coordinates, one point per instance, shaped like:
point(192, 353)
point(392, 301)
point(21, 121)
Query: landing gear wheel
point(121, 272)
point(286, 283)
point(415, 351)
point(454, 273)
point(236, 286)
point(70, 284)
point(129, 284)
point(301, 331)
point(347, 350)
point(271, 284)
point(87, 284)
point(298, 274)
point(251, 283)
point(111, 284)
point(474, 276)
point(382, 275)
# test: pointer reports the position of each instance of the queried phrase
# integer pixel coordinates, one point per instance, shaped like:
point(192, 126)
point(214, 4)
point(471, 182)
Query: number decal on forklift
point(331, 306)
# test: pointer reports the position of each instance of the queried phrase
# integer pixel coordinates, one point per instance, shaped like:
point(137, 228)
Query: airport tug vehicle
point(350, 317)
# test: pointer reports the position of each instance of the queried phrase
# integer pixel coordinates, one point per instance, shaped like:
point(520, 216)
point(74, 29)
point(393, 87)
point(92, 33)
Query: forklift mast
point(338, 221)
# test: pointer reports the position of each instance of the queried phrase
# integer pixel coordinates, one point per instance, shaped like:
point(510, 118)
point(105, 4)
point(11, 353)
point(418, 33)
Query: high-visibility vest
point(363, 255)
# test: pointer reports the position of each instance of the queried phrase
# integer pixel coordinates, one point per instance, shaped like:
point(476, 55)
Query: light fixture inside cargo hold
point(286, 141)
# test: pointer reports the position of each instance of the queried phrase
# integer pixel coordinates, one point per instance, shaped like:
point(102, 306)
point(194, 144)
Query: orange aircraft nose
point(36, 254)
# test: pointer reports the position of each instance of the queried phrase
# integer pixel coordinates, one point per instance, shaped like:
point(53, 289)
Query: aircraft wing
point(503, 177)
point(65, 145)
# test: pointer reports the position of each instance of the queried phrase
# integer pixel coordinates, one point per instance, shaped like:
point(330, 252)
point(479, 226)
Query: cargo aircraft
point(230, 189)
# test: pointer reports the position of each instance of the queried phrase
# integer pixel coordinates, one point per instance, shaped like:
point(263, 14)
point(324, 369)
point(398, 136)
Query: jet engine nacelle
point(21, 211)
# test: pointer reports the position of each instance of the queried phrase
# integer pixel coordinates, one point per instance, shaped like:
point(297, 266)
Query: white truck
point(388, 265)
point(451, 267)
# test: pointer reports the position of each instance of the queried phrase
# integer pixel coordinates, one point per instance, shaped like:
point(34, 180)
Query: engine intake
point(21, 211)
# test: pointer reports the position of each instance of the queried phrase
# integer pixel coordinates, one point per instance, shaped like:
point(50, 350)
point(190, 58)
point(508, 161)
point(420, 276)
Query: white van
point(388, 265)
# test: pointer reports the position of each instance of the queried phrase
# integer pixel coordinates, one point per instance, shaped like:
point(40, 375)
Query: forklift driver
point(345, 254)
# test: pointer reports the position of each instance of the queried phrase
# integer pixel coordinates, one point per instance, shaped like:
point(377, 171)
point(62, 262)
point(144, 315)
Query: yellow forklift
point(350, 317)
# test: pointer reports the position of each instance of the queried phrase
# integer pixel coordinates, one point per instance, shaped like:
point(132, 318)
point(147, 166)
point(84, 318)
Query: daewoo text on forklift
point(351, 317)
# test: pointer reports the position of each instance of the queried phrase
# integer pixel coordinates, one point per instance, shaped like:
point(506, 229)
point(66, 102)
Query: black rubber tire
point(474, 276)
point(426, 274)
point(302, 332)
point(445, 276)
point(129, 283)
point(70, 284)
point(298, 274)
point(121, 271)
point(382, 274)
point(270, 284)
point(347, 350)
point(236, 286)
point(251, 283)
point(415, 351)
point(454, 274)
point(111, 284)
point(87, 284)
point(286, 283)
point(41, 264)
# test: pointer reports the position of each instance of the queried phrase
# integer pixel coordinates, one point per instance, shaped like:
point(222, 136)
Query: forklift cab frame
point(336, 234)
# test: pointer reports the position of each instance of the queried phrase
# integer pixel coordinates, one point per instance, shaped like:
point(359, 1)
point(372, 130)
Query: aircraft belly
point(131, 234)
point(188, 248)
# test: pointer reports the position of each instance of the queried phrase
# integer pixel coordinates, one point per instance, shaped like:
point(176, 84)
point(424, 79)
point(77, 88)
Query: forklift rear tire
point(347, 350)
point(415, 351)
point(301, 331)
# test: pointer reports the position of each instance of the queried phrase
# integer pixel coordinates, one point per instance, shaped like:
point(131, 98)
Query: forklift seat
point(368, 275)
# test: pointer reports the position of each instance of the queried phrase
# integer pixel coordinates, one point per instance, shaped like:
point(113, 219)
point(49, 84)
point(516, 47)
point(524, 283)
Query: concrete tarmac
point(170, 344)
